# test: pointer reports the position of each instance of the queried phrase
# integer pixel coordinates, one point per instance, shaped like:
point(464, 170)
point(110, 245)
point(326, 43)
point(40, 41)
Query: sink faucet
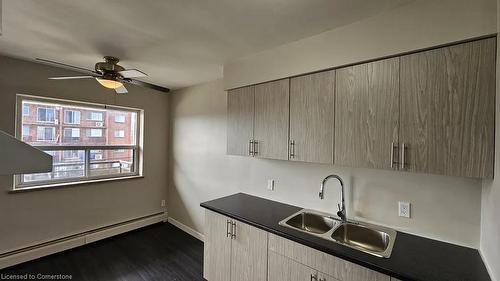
point(342, 211)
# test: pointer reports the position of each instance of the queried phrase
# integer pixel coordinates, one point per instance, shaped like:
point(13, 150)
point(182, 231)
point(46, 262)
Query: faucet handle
point(341, 213)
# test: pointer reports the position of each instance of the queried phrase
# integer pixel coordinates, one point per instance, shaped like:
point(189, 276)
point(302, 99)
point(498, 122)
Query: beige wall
point(33, 217)
point(420, 24)
point(490, 216)
point(446, 208)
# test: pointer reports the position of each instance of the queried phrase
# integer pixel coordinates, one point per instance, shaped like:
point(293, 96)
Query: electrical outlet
point(270, 185)
point(163, 203)
point(404, 209)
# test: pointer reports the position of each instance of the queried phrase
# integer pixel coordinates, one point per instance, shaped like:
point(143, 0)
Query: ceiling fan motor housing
point(109, 67)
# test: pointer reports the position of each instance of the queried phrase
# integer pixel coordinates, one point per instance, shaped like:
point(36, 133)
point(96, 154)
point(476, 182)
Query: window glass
point(120, 118)
point(26, 110)
point(72, 117)
point(96, 116)
point(119, 133)
point(94, 133)
point(26, 130)
point(112, 162)
point(62, 168)
point(46, 133)
point(71, 132)
point(46, 114)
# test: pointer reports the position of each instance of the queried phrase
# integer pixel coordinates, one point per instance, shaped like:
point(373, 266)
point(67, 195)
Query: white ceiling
point(177, 42)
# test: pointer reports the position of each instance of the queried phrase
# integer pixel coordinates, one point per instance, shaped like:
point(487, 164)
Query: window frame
point(45, 121)
point(120, 115)
point(72, 129)
point(89, 131)
point(89, 117)
point(72, 111)
point(121, 135)
point(137, 148)
point(44, 133)
point(26, 114)
point(22, 130)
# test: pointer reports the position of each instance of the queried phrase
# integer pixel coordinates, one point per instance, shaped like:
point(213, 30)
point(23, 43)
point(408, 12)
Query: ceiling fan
point(109, 74)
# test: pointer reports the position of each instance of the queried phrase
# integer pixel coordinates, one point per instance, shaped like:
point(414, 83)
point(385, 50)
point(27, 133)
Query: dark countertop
point(413, 257)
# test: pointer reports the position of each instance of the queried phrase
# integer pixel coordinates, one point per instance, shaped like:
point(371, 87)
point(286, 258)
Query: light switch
point(270, 185)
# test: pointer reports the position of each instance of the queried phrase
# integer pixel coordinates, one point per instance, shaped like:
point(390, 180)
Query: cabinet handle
point(233, 230)
point(314, 277)
point(228, 232)
point(394, 163)
point(292, 149)
point(250, 147)
point(255, 147)
point(403, 163)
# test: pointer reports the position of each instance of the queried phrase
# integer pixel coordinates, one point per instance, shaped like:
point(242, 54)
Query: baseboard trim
point(186, 229)
point(487, 265)
point(77, 240)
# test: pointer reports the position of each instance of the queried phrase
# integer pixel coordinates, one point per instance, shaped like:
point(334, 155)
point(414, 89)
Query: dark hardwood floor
point(157, 252)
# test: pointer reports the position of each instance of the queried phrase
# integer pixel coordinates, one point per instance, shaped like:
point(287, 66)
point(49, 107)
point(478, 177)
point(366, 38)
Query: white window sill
point(67, 184)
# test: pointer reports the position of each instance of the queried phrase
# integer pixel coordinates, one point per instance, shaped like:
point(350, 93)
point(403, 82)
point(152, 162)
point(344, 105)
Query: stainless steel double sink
point(368, 238)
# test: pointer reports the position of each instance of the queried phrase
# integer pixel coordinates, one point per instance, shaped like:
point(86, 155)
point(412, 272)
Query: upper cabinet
point(240, 117)
point(312, 117)
point(367, 115)
point(430, 112)
point(272, 119)
point(448, 110)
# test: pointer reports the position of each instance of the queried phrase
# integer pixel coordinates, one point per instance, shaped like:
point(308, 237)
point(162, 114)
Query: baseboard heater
point(58, 245)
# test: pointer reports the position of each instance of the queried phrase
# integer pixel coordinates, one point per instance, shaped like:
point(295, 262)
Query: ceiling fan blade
point(70, 77)
point(121, 90)
point(66, 65)
point(146, 85)
point(132, 73)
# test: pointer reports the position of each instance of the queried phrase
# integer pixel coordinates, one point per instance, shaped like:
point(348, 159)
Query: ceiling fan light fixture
point(110, 84)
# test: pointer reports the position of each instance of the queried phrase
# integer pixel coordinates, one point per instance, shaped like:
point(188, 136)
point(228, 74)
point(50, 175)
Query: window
point(71, 117)
point(71, 132)
point(120, 118)
point(119, 133)
point(96, 116)
point(77, 155)
point(77, 158)
point(26, 110)
point(26, 130)
point(95, 154)
point(45, 133)
point(94, 133)
point(46, 114)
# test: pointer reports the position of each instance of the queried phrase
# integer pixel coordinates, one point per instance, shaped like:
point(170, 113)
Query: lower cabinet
point(285, 269)
point(331, 267)
point(234, 251)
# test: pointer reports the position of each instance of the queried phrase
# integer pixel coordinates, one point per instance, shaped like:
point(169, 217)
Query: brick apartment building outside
point(53, 124)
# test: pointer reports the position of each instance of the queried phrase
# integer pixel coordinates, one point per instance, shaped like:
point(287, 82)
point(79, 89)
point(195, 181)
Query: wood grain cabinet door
point(448, 109)
point(312, 117)
point(285, 269)
point(240, 117)
point(272, 119)
point(367, 114)
point(217, 248)
point(248, 253)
